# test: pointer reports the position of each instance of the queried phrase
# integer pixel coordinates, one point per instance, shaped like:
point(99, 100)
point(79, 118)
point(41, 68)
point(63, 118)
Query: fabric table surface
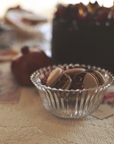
point(28, 122)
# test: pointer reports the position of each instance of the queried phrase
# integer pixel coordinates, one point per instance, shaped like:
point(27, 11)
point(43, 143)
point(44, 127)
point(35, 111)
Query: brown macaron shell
point(89, 81)
point(73, 71)
point(98, 76)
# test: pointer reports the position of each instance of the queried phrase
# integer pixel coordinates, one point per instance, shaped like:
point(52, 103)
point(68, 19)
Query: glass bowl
point(71, 103)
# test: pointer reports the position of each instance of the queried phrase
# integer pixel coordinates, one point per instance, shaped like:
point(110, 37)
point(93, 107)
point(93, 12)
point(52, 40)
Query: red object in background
point(109, 98)
point(26, 63)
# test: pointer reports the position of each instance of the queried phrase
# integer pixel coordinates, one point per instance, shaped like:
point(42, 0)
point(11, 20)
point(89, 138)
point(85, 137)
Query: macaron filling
point(63, 82)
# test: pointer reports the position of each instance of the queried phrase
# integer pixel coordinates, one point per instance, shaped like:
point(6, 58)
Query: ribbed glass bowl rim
point(105, 85)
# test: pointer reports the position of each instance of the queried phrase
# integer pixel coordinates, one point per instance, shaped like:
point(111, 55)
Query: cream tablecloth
point(28, 122)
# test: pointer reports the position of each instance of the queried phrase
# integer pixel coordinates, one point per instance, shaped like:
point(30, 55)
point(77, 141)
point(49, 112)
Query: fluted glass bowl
point(71, 103)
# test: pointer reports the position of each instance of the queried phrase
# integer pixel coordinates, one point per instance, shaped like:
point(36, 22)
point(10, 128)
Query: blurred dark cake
point(83, 34)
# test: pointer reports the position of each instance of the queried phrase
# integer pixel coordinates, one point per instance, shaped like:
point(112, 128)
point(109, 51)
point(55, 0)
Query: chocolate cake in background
point(83, 34)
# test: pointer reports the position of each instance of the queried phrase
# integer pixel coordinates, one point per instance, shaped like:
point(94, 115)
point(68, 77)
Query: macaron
point(89, 81)
point(99, 77)
point(72, 72)
point(57, 79)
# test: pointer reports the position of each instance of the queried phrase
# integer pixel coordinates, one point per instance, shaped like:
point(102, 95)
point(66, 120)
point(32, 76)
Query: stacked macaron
point(76, 78)
point(57, 79)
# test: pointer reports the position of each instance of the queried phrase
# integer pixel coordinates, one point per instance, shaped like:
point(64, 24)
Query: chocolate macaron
point(57, 79)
